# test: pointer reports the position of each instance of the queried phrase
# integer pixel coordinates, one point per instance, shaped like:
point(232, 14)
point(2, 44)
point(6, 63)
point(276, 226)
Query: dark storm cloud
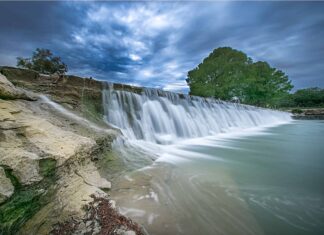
point(155, 44)
point(26, 25)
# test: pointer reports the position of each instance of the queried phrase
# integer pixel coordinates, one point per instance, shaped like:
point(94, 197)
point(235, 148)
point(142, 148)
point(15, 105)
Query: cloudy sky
point(155, 44)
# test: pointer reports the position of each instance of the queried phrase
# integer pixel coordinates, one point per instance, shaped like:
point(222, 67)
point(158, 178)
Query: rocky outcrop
point(9, 92)
point(308, 114)
point(34, 140)
point(80, 94)
point(27, 138)
point(47, 171)
point(91, 176)
point(6, 187)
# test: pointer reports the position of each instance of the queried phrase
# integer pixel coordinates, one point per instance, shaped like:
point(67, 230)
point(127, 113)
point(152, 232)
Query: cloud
point(177, 86)
point(134, 57)
point(156, 44)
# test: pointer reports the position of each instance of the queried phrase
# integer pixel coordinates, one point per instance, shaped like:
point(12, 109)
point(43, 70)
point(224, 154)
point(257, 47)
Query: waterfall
point(72, 116)
point(164, 117)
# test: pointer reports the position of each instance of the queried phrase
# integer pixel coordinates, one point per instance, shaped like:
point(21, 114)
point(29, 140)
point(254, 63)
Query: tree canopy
point(308, 97)
point(44, 62)
point(227, 73)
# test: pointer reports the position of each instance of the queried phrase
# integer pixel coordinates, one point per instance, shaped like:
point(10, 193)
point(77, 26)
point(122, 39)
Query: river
point(251, 181)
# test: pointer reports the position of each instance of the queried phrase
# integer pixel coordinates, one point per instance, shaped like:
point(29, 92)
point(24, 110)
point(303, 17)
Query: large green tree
point(227, 73)
point(265, 85)
point(44, 62)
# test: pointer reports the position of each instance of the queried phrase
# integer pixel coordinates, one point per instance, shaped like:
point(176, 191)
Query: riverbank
point(308, 113)
point(48, 171)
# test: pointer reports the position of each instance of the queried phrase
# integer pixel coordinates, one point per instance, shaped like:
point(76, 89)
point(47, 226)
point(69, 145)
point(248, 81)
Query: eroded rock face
point(9, 91)
point(56, 142)
point(23, 163)
point(91, 176)
point(71, 196)
point(27, 138)
point(6, 187)
point(29, 134)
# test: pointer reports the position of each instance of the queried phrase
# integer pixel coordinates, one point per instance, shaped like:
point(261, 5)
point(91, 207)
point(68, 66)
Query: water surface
point(262, 182)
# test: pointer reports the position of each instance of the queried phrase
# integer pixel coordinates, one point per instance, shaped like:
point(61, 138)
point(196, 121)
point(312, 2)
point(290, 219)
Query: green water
point(269, 182)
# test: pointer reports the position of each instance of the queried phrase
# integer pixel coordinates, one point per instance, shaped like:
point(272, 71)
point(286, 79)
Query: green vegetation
point(47, 167)
point(26, 200)
point(14, 180)
point(20, 207)
point(230, 74)
point(309, 97)
point(91, 106)
point(44, 62)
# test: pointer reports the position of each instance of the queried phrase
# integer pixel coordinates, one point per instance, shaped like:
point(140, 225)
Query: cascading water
point(220, 184)
point(164, 117)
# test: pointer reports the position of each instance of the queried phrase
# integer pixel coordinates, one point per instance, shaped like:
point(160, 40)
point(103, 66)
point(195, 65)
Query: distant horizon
point(156, 44)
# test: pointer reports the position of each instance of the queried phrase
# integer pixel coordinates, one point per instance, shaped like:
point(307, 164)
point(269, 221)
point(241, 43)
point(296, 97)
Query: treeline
point(309, 97)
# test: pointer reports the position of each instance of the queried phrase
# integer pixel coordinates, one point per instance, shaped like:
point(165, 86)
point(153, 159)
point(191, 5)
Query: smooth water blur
point(216, 170)
point(261, 182)
point(165, 118)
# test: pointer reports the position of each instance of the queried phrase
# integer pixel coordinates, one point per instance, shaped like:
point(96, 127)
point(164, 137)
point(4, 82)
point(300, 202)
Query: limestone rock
point(23, 163)
point(9, 91)
point(71, 197)
point(113, 204)
point(25, 138)
point(6, 187)
point(30, 133)
point(91, 176)
point(123, 231)
point(55, 141)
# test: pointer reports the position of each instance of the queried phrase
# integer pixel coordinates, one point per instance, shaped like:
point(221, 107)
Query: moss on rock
point(47, 167)
point(14, 180)
point(91, 106)
point(26, 200)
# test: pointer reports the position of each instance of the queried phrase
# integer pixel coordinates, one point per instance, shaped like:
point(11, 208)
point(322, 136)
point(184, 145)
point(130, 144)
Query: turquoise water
point(264, 182)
